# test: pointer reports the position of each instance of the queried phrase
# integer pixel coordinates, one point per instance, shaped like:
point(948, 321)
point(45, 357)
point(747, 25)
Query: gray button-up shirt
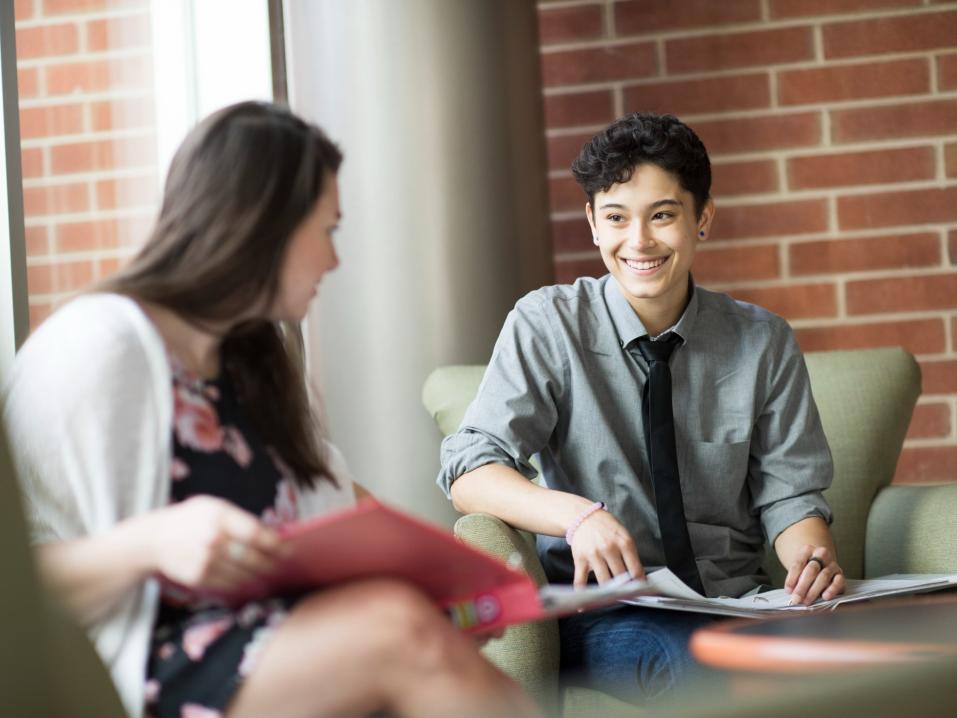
point(565, 382)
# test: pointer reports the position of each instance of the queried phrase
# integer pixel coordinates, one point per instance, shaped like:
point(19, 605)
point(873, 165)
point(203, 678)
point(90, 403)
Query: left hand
point(808, 579)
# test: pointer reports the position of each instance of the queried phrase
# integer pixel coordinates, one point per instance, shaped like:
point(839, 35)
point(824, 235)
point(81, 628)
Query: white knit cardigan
point(88, 409)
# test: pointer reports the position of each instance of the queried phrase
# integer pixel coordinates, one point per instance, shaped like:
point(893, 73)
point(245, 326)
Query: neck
point(196, 346)
point(658, 314)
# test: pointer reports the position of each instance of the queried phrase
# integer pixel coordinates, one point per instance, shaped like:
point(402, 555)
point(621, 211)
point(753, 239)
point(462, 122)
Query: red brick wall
point(832, 125)
point(88, 140)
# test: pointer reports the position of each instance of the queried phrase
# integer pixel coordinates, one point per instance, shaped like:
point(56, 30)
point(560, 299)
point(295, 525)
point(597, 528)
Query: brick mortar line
point(81, 25)
point(839, 279)
point(827, 129)
point(51, 222)
point(781, 156)
point(864, 275)
point(812, 22)
point(952, 403)
point(784, 259)
point(126, 173)
point(949, 336)
point(867, 103)
point(571, 88)
point(31, 103)
point(661, 59)
point(568, 3)
point(82, 18)
point(929, 443)
point(871, 275)
point(762, 200)
point(53, 141)
point(855, 190)
point(832, 219)
point(46, 147)
point(756, 199)
point(855, 320)
point(942, 228)
point(608, 17)
point(934, 76)
point(930, 399)
point(84, 57)
point(84, 256)
point(91, 215)
point(841, 304)
point(773, 90)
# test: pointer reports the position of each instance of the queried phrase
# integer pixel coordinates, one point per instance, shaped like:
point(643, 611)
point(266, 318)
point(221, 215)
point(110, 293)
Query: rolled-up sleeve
point(515, 409)
point(790, 464)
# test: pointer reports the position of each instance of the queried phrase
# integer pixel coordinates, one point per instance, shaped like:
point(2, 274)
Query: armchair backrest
point(865, 397)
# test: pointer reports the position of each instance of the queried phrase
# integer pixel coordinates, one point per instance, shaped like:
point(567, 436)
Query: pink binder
point(480, 592)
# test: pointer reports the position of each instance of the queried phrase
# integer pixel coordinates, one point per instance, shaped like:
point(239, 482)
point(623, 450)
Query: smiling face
point(308, 256)
point(647, 231)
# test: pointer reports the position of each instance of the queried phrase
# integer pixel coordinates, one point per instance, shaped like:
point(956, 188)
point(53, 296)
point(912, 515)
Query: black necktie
point(659, 424)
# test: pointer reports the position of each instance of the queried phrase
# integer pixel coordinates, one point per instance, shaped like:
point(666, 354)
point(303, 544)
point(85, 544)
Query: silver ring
point(236, 550)
point(816, 560)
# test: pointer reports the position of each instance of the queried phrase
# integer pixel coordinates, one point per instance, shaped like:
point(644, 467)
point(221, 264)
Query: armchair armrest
point(528, 652)
point(910, 529)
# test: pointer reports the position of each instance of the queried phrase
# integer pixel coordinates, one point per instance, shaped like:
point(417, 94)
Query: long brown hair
point(238, 187)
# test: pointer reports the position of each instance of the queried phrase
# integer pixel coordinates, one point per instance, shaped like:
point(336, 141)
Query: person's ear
point(705, 220)
point(591, 222)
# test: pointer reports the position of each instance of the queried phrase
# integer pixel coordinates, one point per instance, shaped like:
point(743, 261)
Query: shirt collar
point(628, 325)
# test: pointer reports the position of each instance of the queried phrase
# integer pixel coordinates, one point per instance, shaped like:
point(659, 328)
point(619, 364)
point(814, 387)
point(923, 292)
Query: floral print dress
point(202, 649)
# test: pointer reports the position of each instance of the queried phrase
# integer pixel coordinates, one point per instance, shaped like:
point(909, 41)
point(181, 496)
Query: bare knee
point(393, 623)
point(411, 632)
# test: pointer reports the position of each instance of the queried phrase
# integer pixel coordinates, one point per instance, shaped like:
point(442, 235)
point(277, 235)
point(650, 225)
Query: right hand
point(601, 545)
point(208, 544)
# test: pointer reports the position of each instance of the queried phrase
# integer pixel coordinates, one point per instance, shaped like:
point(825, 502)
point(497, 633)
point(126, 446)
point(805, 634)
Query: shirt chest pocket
point(713, 480)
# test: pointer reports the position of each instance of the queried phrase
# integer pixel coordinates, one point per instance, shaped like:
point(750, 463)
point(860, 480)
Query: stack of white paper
point(669, 592)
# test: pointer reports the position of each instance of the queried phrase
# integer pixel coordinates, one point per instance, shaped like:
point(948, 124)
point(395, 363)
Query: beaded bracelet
point(570, 534)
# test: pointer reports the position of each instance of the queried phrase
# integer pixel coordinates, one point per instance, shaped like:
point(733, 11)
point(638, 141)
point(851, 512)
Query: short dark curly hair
point(612, 155)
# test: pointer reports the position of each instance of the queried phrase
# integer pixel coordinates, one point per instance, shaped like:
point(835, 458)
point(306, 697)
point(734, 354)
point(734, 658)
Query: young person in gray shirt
point(567, 381)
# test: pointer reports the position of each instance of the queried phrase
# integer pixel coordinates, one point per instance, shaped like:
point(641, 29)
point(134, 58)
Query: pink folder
point(480, 592)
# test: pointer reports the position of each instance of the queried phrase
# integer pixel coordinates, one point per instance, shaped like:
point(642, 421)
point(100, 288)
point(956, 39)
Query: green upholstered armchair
point(865, 398)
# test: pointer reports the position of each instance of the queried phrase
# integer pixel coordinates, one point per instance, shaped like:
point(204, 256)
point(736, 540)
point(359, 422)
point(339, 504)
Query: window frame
point(14, 309)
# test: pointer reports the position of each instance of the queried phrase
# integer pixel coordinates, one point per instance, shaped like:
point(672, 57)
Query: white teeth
point(648, 264)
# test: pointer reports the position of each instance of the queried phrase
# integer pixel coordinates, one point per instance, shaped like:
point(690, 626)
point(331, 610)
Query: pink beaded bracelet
point(570, 534)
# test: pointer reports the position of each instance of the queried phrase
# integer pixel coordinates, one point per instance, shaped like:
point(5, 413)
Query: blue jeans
point(638, 654)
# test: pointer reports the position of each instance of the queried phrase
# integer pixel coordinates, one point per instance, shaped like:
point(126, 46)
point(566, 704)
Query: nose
point(640, 237)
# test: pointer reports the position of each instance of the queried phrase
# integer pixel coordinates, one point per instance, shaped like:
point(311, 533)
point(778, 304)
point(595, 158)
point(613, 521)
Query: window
point(107, 89)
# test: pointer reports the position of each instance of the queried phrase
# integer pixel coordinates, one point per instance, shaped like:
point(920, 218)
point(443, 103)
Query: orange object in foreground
point(893, 631)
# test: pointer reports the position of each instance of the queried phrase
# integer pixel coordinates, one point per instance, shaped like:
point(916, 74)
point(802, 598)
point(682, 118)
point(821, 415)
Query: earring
point(701, 233)
point(594, 238)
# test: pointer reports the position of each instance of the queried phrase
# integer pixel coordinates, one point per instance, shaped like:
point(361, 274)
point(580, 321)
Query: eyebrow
point(668, 201)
